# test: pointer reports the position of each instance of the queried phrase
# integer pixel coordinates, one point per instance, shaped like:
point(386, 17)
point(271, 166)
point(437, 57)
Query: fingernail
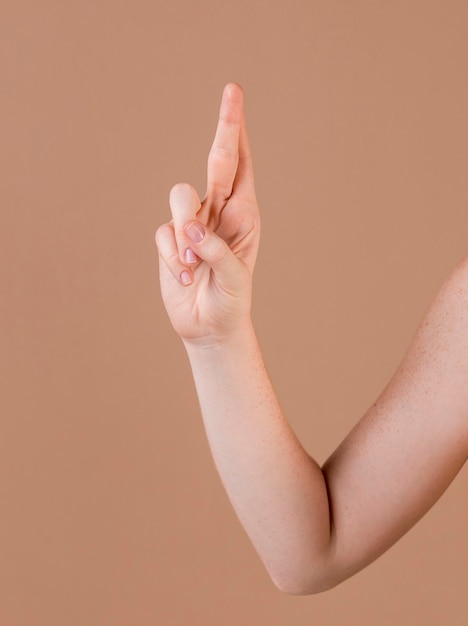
point(190, 256)
point(185, 278)
point(195, 232)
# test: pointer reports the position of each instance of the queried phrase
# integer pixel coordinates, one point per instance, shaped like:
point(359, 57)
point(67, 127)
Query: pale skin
point(312, 526)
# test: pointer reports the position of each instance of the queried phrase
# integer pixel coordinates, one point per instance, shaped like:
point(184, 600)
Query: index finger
point(224, 154)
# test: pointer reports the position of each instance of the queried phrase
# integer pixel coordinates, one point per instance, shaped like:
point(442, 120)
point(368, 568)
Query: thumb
point(230, 272)
point(184, 203)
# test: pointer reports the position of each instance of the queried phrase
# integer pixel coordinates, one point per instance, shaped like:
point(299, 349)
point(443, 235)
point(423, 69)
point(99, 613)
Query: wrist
point(237, 336)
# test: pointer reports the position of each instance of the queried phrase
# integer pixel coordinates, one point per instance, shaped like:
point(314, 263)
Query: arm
point(312, 527)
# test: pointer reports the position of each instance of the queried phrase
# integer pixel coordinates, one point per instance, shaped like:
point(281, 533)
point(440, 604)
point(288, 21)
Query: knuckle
point(218, 249)
point(172, 259)
point(222, 153)
point(162, 233)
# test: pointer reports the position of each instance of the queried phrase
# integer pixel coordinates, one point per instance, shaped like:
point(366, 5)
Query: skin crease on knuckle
point(162, 233)
point(218, 249)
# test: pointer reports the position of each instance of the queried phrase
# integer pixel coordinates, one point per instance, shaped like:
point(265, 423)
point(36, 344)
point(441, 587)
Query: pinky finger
point(169, 254)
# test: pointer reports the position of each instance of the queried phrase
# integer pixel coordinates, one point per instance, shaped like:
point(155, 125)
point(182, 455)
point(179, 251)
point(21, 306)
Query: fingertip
point(233, 88)
point(183, 191)
point(234, 93)
point(190, 257)
point(232, 104)
point(186, 278)
point(195, 231)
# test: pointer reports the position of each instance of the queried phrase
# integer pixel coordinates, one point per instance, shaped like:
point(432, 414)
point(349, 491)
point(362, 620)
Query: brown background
point(112, 513)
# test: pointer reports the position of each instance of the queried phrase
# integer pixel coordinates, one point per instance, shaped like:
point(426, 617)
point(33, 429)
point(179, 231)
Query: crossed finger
point(229, 169)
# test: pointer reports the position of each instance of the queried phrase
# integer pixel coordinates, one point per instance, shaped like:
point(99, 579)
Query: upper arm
point(411, 443)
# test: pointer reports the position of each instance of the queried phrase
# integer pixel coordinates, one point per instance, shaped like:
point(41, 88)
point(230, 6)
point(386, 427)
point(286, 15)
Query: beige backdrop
point(112, 513)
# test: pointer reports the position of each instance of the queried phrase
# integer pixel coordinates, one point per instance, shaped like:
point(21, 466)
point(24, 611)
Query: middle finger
point(224, 154)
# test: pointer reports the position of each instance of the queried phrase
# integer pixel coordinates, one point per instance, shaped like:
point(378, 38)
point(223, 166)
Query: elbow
point(309, 571)
point(303, 591)
point(307, 585)
point(308, 589)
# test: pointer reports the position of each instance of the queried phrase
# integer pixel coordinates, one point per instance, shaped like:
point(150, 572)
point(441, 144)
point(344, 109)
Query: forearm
point(312, 527)
point(276, 489)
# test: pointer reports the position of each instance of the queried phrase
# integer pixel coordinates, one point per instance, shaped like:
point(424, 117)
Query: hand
point(207, 252)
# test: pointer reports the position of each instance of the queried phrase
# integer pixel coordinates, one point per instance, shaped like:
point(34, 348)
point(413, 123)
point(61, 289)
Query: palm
point(232, 221)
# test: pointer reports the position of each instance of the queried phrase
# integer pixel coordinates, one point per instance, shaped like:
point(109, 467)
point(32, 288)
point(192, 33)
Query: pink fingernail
point(185, 278)
point(195, 231)
point(190, 256)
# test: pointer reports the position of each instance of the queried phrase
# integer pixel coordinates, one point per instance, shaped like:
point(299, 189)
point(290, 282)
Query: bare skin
point(312, 526)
